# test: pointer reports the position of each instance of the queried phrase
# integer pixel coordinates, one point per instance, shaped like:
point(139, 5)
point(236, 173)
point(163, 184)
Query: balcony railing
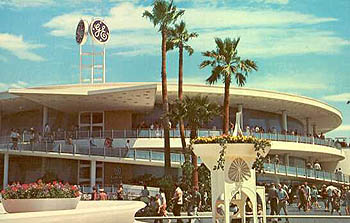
point(149, 155)
point(306, 173)
point(174, 133)
point(84, 149)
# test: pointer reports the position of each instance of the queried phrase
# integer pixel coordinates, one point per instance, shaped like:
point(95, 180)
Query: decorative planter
point(32, 205)
point(237, 177)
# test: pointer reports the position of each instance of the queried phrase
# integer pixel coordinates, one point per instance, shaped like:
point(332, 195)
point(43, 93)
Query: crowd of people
point(308, 197)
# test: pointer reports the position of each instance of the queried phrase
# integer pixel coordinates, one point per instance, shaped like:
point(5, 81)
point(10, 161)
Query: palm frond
point(189, 49)
point(215, 75)
point(240, 79)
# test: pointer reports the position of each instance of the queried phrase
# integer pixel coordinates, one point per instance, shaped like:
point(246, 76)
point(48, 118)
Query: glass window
point(97, 117)
point(85, 118)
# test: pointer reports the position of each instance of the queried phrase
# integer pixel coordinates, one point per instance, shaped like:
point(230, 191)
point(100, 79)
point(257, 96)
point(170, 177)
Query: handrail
point(306, 173)
point(174, 133)
point(149, 155)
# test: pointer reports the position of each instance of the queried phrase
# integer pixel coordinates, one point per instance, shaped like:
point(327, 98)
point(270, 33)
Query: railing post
point(274, 168)
point(150, 155)
point(112, 134)
point(104, 152)
point(124, 133)
point(296, 171)
point(74, 149)
point(76, 134)
point(285, 168)
point(59, 149)
point(100, 134)
point(46, 146)
point(120, 153)
point(149, 133)
point(134, 154)
point(65, 135)
point(89, 149)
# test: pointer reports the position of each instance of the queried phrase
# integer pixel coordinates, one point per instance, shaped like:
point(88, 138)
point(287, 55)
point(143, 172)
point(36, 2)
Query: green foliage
point(163, 14)
point(196, 111)
point(179, 36)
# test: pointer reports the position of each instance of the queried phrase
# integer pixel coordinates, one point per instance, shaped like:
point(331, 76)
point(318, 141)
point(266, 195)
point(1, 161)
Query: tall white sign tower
point(93, 60)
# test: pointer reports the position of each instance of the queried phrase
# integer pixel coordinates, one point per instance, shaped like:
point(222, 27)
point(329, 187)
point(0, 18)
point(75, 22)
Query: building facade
point(107, 133)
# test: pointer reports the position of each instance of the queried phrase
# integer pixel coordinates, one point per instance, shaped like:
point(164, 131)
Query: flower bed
point(40, 190)
point(40, 196)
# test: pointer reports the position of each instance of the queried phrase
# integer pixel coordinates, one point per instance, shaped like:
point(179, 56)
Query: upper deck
point(142, 97)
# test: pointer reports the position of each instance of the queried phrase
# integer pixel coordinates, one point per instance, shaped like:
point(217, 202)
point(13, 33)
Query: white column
point(6, 170)
point(284, 121)
point(308, 126)
point(286, 159)
point(45, 116)
point(93, 173)
point(240, 109)
point(314, 130)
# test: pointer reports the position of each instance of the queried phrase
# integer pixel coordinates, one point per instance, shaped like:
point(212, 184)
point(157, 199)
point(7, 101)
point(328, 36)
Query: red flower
point(3, 192)
point(25, 186)
point(14, 189)
point(54, 183)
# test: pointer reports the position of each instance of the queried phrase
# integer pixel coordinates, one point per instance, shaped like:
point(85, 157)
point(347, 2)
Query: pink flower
point(3, 192)
point(25, 186)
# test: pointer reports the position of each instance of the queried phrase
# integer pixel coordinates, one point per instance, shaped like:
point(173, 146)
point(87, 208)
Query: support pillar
point(286, 159)
point(6, 170)
point(93, 173)
point(308, 132)
point(284, 121)
point(314, 130)
point(45, 116)
point(240, 109)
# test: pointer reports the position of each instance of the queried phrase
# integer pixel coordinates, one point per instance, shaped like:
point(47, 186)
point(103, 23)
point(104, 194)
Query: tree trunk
point(167, 162)
point(194, 161)
point(226, 120)
point(180, 95)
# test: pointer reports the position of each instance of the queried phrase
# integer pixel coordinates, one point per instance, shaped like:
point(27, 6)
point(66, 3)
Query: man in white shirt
point(178, 202)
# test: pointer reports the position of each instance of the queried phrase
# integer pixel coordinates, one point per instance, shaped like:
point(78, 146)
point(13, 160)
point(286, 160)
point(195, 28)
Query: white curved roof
point(143, 96)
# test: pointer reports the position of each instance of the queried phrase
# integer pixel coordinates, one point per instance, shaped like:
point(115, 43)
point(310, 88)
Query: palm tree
point(225, 62)
point(164, 14)
point(196, 112)
point(178, 37)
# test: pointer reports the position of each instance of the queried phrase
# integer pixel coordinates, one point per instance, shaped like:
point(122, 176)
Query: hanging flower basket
point(215, 150)
point(39, 196)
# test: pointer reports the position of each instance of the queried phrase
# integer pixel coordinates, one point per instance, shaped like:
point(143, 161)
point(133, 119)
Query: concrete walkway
point(86, 212)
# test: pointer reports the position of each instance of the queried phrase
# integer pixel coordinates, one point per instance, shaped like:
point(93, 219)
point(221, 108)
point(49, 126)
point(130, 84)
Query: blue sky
point(300, 46)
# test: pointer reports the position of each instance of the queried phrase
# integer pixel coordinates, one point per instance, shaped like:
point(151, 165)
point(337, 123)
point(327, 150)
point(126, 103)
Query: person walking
point(178, 202)
point(314, 194)
point(273, 198)
point(303, 198)
point(347, 200)
point(283, 200)
point(194, 204)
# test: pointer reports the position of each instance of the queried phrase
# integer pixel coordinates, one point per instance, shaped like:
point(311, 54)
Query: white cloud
point(17, 46)
point(26, 3)
point(293, 82)
point(344, 97)
point(264, 32)
point(281, 2)
point(229, 18)
point(270, 42)
point(20, 4)
point(18, 84)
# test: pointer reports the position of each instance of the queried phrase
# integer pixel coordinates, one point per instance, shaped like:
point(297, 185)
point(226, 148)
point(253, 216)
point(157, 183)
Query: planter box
point(31, 205)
